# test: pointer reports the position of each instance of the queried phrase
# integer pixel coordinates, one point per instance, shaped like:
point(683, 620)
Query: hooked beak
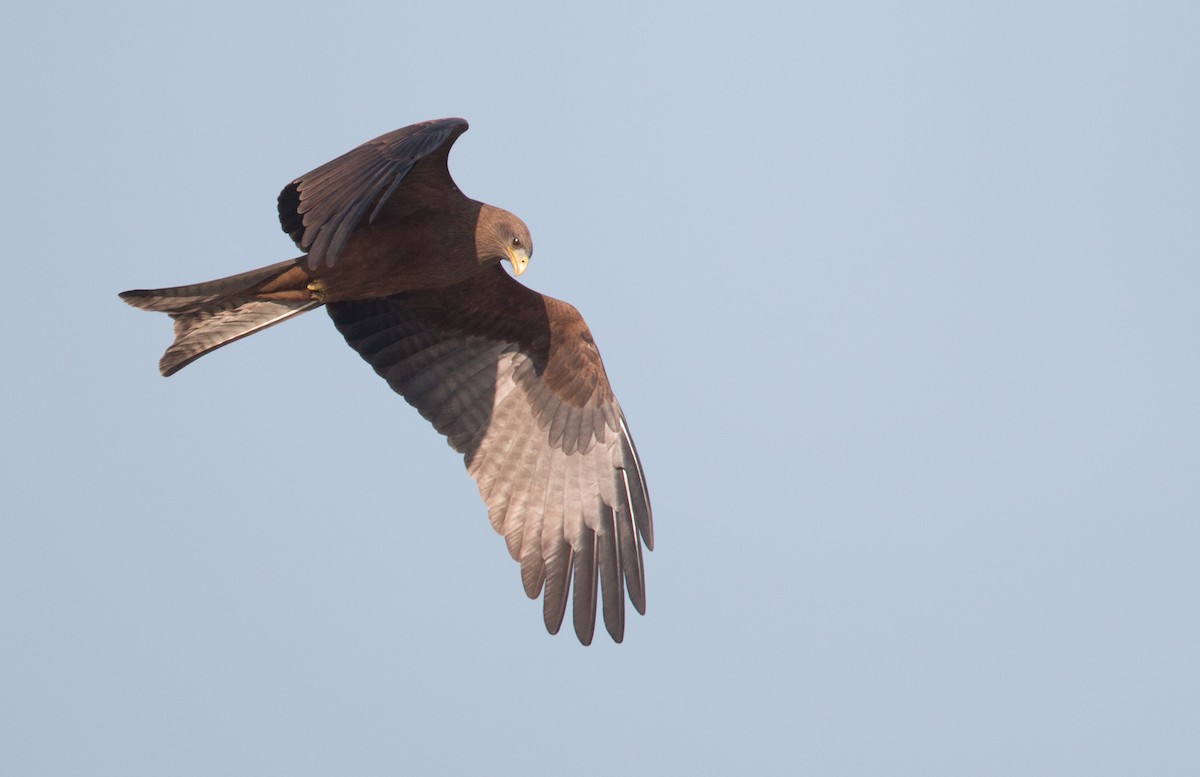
point(519, 259)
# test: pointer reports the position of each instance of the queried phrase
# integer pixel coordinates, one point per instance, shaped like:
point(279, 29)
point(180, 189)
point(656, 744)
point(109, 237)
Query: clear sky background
point(902, 302)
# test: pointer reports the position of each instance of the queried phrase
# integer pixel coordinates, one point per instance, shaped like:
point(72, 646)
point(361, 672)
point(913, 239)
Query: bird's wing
point(322, 208)
point(515, 382)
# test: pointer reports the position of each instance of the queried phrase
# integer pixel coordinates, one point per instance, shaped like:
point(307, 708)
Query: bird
point(410, 271)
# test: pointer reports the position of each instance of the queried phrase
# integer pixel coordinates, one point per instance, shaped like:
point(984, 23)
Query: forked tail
point(209, 315)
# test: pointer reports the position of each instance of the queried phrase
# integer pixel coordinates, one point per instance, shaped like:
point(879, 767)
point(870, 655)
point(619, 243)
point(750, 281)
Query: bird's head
point(500, 236)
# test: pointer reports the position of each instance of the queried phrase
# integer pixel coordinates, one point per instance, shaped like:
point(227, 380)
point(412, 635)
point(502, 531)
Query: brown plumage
point(409, 269)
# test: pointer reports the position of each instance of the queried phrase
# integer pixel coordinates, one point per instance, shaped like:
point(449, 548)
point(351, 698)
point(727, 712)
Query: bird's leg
point(294, 283)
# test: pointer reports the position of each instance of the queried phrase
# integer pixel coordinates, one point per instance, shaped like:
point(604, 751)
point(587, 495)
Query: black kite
point(409, 269)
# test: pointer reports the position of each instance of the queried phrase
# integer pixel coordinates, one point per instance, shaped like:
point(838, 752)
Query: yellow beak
point(519, 259)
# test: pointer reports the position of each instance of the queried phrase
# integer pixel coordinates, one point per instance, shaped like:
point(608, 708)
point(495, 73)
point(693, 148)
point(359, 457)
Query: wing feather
point(516, 384)
point(321, 208)
point(557, 540)
point(558, 584)
point(535, 494)
point(584, 601)
point(630, 548)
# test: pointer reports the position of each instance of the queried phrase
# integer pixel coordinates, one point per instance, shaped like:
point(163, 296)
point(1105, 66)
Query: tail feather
point(183, 299)
point(210, 315)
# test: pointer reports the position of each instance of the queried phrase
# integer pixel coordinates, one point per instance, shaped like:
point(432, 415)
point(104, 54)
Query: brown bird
point(409, 269)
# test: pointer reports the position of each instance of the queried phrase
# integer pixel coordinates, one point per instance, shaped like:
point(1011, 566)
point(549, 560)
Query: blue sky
point(901, 303)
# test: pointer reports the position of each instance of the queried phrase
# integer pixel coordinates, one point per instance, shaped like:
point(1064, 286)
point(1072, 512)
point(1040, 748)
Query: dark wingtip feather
point(630, 550)
point(612, 591)
point(557, 588)
point(638, 493)
point(586, 583)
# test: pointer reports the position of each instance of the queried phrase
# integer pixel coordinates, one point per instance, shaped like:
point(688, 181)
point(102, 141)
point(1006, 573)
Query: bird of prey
point(409, 269)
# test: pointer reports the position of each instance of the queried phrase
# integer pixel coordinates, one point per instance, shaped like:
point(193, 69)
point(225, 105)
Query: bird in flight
point(409, 269)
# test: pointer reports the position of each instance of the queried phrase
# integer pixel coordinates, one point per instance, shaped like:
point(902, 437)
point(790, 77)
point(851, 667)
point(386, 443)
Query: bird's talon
point(318, 290)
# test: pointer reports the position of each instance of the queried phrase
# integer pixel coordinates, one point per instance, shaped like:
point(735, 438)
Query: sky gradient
point(901, 303)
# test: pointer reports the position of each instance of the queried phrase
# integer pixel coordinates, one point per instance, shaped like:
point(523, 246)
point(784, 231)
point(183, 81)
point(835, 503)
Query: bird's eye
point(516, 242)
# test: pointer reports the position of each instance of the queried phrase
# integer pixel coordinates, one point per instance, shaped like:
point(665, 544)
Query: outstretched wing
point(515, 382)
point(321, 209)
